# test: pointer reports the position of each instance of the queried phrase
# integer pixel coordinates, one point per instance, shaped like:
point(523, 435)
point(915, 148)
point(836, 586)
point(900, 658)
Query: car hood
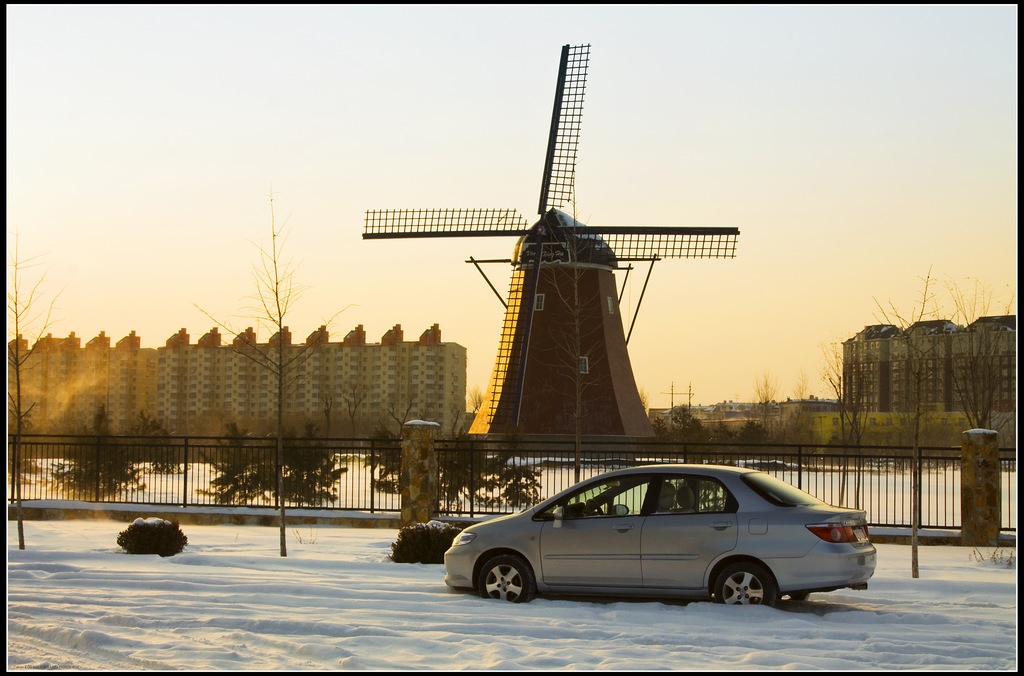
point(484, 525)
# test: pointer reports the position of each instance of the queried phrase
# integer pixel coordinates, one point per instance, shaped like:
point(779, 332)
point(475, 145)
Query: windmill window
point(584, 365)
point(611, 305)
point(538, 303)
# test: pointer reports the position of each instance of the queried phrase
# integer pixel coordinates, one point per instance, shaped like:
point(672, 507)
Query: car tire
point(507, 577)
point(746, 583)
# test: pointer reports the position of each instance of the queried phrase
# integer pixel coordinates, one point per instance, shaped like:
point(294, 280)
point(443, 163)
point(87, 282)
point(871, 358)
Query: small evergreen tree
point(162, 459)
point(108, 470)
point(457, 473)
point(311, 473)
point(387, 463)
point(244, 473)
point(508, 478)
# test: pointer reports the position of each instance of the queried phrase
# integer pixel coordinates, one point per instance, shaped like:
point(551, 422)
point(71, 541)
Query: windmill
point(562, 355)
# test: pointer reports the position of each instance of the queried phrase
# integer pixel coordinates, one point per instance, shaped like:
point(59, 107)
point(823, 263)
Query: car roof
point(670, 468)
point(653, 468)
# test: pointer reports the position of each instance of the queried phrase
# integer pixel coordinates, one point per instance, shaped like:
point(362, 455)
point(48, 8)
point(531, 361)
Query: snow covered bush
point(152, 536)
point(423, 542)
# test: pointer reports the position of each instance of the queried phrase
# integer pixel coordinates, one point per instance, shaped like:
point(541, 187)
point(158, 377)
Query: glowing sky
point(856, 148)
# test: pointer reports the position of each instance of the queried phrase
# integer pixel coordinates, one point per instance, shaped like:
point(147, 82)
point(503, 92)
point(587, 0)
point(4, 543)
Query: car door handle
point(720, 525)
point(622, 527)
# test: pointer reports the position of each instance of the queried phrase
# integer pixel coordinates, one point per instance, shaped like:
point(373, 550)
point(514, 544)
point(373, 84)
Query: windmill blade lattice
point(645, 243)
point(395, 223)
point(559, 178)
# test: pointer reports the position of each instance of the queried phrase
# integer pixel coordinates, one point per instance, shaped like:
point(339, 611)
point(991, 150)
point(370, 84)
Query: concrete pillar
point(979, 488)
point(418, 479)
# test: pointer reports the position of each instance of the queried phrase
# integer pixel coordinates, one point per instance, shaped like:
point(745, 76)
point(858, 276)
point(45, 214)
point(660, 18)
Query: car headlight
point(463, 539)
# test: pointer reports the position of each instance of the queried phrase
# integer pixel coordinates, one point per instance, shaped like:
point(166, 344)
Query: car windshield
point(777, 491)
point(614, 496)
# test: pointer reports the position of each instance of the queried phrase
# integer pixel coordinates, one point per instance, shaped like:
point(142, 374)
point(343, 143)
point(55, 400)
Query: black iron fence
point(476, 478)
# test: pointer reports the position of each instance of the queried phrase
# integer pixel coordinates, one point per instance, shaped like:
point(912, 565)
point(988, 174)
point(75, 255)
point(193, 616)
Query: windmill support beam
point(642, 292)
point(531, 293)
point(481, 271)
point(625, 279)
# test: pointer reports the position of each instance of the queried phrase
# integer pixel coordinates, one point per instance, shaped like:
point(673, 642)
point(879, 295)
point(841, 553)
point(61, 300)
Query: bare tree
point(399, 409)
point(26, 313)
point(980, 355)
point(918, 350)
point(276, 291)
point(644, 399)
point(475, 398)
point(457, 415)
point(575, 363)
point(766, 393)
point(849, 393)
point(572, 357)
point(353, 395)
point(849, 396)
point(801, 387)
point(326, 407)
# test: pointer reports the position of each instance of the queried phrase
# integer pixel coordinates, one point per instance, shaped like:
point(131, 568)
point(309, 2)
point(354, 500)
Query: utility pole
point(672, 391)
point(689, 396)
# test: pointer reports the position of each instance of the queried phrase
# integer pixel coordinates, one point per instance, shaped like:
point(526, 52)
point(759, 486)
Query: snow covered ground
point(77, 601)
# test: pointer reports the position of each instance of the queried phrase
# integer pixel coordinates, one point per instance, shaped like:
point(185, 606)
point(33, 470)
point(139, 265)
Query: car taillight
point(834, 532)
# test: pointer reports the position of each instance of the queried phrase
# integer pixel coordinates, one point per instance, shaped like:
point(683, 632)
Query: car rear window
point(777, 491)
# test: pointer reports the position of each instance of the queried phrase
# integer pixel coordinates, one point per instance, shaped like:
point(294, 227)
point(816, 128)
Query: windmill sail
point(561, 363)
point(559, 176)
point(395, 223)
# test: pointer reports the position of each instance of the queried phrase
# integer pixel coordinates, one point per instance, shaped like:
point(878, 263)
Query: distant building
point(792, 410)
point(729, 415)
point(879, 364)
point(959, 369)
point(341, 388)
point(67, 385)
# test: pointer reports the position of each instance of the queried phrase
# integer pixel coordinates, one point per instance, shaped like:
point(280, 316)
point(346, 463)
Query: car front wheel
point(507, 577)
point(746, 583)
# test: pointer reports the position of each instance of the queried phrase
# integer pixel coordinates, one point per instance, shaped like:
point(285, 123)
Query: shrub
point(423, 542)
point(152, 536)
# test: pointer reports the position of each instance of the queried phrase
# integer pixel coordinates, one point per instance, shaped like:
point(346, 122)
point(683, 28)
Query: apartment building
point(68, 385)
point(953, 367)
point(344, 388)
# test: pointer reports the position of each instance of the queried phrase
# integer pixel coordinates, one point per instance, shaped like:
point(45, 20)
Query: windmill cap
point(563, 240)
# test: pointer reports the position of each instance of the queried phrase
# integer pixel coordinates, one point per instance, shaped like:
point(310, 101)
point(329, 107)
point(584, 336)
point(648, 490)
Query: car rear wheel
point(746, 583)
point(507, 577)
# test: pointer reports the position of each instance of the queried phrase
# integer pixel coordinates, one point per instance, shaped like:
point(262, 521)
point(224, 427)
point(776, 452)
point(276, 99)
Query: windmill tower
point(562, 355)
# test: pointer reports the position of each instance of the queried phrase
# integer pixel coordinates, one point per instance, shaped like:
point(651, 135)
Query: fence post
point(472, 479)
point(800, 467)
point(979, 488)
point(418, 478)
point(99, 466)
point(184, 469)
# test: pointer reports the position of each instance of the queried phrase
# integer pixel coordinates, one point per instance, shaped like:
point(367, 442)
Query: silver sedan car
point(701, 532)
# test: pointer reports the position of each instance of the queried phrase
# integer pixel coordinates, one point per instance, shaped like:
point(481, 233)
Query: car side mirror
point(559, 514)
